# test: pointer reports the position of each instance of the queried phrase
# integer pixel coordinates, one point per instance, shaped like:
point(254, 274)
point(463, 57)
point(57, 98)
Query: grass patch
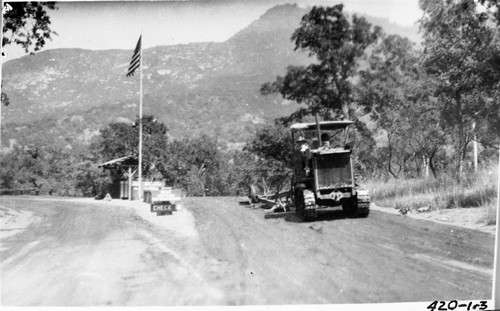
point(475, 190)
point(490, 215)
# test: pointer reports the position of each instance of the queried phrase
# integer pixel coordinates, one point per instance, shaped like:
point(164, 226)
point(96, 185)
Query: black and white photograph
point(271, 154)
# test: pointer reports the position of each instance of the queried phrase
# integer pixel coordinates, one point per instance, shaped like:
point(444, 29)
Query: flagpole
point(135, 63)
point(140, 125)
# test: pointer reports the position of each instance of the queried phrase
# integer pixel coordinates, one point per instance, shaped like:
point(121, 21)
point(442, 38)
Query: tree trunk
point(389, 161)
point(460, 125)
point(426, 166)
point(430, 163)
point(474, 143)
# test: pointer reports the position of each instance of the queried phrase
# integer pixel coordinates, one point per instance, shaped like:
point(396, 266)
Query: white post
point(140, 126)
point(474, 145)
point(130, 183)
point(496, 279)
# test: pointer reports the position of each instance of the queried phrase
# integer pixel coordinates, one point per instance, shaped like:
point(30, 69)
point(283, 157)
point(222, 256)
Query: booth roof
point(323, 125)
point(124, 161)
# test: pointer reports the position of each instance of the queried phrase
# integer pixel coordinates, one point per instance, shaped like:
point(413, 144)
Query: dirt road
point(215, 251)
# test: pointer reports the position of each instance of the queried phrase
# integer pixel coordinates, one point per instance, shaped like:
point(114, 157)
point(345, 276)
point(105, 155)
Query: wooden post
point(318, 130)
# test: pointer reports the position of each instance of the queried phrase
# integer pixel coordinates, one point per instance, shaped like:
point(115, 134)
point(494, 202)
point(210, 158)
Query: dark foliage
point(28, 24)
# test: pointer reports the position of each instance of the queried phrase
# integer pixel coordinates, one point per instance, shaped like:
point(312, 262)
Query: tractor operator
point(305, 150)
point(325, 140)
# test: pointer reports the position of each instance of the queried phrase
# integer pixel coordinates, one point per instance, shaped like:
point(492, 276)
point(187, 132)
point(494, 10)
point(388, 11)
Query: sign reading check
point(167, 201)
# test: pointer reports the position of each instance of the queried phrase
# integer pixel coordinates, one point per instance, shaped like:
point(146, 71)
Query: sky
point(99, 25)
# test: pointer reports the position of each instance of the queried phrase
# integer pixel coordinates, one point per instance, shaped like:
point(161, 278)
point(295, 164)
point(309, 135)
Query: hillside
point(67, 95)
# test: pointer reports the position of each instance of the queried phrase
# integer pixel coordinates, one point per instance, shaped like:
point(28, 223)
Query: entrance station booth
point(122, 172)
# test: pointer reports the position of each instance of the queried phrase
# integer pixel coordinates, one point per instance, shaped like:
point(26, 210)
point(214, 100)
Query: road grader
point(323, 173)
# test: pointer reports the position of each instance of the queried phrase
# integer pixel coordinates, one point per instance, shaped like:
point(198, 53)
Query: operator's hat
point(301, 138)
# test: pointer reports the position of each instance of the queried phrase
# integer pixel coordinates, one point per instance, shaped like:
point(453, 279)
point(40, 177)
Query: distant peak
point(281, 8)
point(282, 16)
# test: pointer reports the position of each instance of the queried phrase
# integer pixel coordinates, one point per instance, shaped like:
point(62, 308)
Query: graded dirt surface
point(216, 251)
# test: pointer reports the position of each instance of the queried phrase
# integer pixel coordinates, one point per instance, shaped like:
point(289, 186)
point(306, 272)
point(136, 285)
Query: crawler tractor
point(323, 172)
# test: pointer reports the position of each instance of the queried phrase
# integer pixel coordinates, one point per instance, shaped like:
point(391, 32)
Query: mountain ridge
point(203, 87)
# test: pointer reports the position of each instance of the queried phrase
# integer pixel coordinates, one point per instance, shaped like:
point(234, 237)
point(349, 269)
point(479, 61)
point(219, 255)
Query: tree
point(273, 154)
point(26, 24)
point(462, 54)
point(272, 141)
point(326, 87)
point(397, 95)
point(50, 169)
point(122, 139)
point(239, 172)
point(492, 9)
point(193, 165)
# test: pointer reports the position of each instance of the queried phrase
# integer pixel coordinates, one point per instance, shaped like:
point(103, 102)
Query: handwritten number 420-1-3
point(453, 304)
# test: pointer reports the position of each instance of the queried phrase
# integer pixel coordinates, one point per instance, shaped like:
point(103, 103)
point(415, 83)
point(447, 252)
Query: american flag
point(136, 59)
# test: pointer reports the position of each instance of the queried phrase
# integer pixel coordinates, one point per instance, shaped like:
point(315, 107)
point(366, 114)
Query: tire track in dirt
point(226, 252)
point(94, 254)
point(273, 268)
point(342, 260)
point(173, 265)
point(109, 254)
